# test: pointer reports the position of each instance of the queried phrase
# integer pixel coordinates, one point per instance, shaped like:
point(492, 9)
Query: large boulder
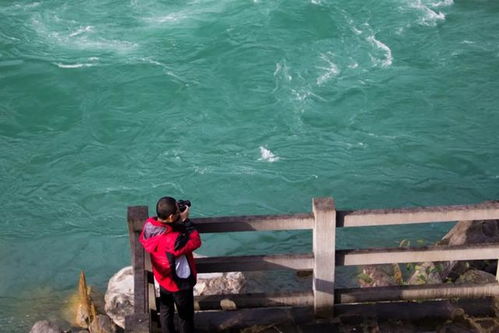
point(45, 326)
point(464, 232)
point(219, 283)
point(470, 232)
point(460, 322)
point(426, 273)
point(475, 276)
point(102, 324)
point(119, 296)
point(377, 276)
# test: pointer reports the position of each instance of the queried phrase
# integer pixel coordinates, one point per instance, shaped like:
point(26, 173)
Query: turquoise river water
point(243, 107)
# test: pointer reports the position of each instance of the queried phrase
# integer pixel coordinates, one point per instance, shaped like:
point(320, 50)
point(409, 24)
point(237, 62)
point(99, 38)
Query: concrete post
point(324, 256)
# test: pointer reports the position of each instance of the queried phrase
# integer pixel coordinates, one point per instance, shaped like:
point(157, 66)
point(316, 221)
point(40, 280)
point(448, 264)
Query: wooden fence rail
point(323, 222)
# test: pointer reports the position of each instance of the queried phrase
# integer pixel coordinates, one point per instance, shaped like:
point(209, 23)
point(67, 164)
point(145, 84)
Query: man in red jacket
point(170, 237)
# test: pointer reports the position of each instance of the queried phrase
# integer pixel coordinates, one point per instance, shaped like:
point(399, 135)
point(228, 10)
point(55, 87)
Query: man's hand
point(185, 214)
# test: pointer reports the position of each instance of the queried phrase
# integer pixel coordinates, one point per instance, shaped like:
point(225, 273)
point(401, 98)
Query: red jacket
point(159, 240)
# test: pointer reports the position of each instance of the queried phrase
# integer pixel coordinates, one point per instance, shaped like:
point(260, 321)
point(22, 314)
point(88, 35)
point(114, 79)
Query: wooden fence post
point(140, 321)
point(324, 244)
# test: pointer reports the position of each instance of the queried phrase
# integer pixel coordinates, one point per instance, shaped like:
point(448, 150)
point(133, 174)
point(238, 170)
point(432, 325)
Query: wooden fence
point(323, 221)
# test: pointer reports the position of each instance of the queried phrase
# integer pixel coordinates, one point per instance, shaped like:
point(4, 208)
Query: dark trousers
point(184, 300)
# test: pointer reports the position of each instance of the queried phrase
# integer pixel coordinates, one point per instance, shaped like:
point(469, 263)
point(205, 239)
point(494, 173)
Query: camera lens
point(183, 204)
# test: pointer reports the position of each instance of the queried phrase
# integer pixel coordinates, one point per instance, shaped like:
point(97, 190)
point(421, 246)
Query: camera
point(183, 204)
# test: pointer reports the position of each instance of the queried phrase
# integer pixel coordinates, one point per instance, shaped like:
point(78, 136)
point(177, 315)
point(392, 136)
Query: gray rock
point(219, 283)
point(102, 324)
point(476, 276)
point(472, 232)
point(426, 273)
point(469, 232)
point(460, 322)
point(119, 296)
point(376, 276)
point(45, 326)
point(464, 232)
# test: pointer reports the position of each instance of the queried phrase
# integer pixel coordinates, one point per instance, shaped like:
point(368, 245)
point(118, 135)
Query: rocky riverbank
point(93, 313)
point(464, 232)
point(89, 312)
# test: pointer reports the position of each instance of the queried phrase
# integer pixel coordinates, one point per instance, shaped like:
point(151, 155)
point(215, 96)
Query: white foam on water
point(430, 17)
point(81, 30)
point(282, 70)
point(391, 137)
point(356, 31)
point(165, 67)
point(27, 6)
point(107, 45)
point(73, 65)
point(182, 15)
point(281, 75)
point(200, 170)
point(353, 27)
point(152, 62)
point(381, 46)
point(78, 39)
point(303, 94)
point(443, 3)
point(173, 17)
point(330, 71)
point(267, 155)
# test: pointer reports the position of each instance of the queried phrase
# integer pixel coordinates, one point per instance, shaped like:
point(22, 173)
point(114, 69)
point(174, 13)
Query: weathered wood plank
point(416, 310)
point(419, 292)
point(423, 254)
point(138, 323)
point(254, 223)
point(351, 295)
point(240, 301)
point(136, 215)
point(255, 263)
point(484, 211)
point(212, 321)
point(324, 236)
point(151, 296)
point(234, 321)
point(141, 289)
